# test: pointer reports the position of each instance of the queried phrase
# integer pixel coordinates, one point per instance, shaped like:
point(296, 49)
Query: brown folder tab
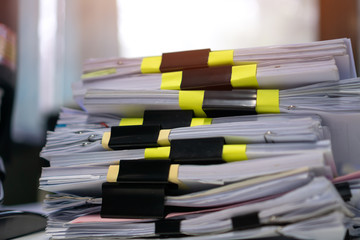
point(215, 78)
point(176, 61)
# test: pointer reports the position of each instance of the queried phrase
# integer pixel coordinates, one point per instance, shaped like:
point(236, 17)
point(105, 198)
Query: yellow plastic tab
point(236, 152)
point(200, 121)
point(221, 58)
point(267, 101)
point(105, 140)
point(113, 173)
point(131, 121)
point(192, 100)
point(163, 139)
point(157, 153)
point(171, 80)
point(244, 76)
point(151, 64)
point(173, 174)
point(99, 73)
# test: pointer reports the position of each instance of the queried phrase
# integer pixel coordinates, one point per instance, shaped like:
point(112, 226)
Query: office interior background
point(55, 37)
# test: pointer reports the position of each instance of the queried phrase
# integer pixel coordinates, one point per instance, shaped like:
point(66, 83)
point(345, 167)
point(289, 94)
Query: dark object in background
point(18, 223)
point(7, 84)
point(2, 178)
point(7, 79)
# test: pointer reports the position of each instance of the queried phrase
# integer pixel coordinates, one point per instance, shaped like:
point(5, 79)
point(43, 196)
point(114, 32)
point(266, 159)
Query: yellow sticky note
point(244, 76)
point(163, 139)
point(99, 73)
point(171, 80)
point(173, 175)
point(157, 153)
point(192, 100)
point(221, 58)
point(131, 121)
point(236, 152)
point(151, 64)
point(200, 121)
point(113, 173)
point(105, 140)
point(267, 101)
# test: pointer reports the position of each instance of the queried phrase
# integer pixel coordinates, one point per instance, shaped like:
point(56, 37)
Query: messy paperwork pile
point(206, 145)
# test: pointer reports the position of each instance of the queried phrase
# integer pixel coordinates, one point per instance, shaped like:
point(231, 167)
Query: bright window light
point(47, 29)
point(152, 27)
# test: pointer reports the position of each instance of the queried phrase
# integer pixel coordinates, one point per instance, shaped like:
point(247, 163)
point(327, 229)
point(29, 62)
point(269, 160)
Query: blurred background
point(54, 37)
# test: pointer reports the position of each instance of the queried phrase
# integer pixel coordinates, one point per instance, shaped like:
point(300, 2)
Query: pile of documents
point(203, 144)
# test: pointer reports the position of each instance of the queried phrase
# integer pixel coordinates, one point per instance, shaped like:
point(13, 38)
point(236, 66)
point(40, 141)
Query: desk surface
point(34, 208)
point(38, 236)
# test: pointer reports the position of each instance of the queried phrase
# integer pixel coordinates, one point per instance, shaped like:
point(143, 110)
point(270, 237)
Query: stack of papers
point(206, 145)
point(83, 180)
point(332, 97)
point(285, 128)
point(297, 202)
point(249, 151)
point(273, 67)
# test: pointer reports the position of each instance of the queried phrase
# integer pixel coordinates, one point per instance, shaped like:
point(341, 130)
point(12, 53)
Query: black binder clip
point(132, 200)
point(246, 221)
point(129, 137)
point(139, 191)
point(344, 190)
point(168, 119)
point(197, 151)
point(168, 228)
